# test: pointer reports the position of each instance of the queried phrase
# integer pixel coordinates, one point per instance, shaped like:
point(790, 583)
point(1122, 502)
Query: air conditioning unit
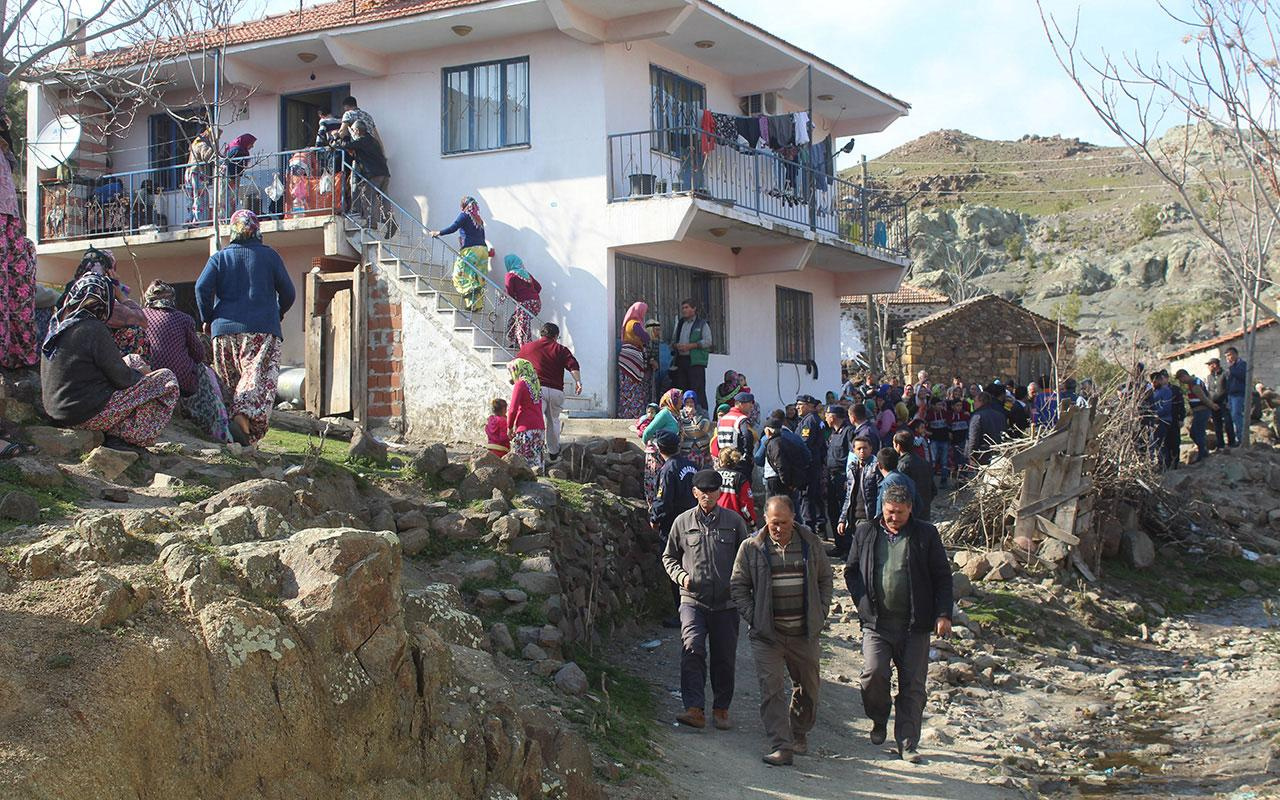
point(763, 103)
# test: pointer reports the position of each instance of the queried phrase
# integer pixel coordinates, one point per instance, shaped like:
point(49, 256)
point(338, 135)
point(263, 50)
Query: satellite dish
point(56, 142)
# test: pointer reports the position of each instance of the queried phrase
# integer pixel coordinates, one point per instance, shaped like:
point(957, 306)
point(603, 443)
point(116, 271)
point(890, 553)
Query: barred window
point(664, 286)
point(795, 326)
point(677, 105)
point(485, 106)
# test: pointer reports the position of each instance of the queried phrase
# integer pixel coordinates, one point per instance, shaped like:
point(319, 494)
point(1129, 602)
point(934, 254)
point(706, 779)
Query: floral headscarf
point(516, 267)
point(159, 295)
point(90, 297)
point(472, 209)
point(244, 226)
point(94, 260)
point(521, 369)
point(244, 141)
point(671, 401)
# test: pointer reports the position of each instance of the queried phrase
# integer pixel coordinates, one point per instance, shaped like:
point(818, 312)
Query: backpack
point(791, 462)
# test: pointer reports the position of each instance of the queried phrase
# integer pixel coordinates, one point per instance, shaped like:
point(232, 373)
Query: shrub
point(1178, 320)
point(1067, 310)
point(1013, 247)
point(1095, 366)
point(1147, 218)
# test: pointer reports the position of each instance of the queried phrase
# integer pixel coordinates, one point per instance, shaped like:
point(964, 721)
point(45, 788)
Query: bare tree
point(1222, 162)
point(961, 262)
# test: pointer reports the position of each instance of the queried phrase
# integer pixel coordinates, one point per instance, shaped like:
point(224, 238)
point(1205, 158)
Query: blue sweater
point(471, 235)
point(244, 289)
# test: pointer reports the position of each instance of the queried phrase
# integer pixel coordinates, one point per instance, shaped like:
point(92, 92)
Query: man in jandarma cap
point(699, 555)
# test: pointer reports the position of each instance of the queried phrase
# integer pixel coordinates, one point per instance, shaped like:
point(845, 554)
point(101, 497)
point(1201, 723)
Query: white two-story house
point(576, 124)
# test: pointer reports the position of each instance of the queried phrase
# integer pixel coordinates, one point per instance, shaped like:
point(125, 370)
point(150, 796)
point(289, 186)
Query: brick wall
point(385, 357)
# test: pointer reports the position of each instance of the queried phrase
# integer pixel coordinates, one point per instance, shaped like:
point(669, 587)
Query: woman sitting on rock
point(127, 321)
point(85, 382)
point(176, 346)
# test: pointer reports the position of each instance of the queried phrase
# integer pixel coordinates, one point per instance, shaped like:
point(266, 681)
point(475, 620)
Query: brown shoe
point(693, 717)
point(721, 717)
point(778, 758)
point(799, 743)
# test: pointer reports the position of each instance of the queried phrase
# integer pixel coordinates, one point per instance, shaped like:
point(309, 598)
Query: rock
point(531, 543)
point(1249, 586)
point(545, 669)
point(366, 448)
point(459, 527)
point(571, 680)
point(382, 518)
point(1137, 549)
point(59, 443)
point(105, 536)
point(514, 596)
point(269, 523)
point(975, 568)
point(1234, 472)
point(414, 541)
point(538, 582)
point(114, 494)
point(483, 570)
point(500, 638)
point(165, 481)
point(414, 518)
point(532, 652)
point(256, 492)
point(43, 559)
point(506, 529)
point(538, 564)
point(550, 638)
point(1000, 572)
point(961, 586)
point(1054, 551)
point(108, 463)
point(439, 607)
point(482, 482)
point(536, 494)
point(1115, 677)
point(37, 474)
point(20, 506)
point(231, 526)
point(430, 461)
point(490, 598)
point(518, 468)
point(101, 600)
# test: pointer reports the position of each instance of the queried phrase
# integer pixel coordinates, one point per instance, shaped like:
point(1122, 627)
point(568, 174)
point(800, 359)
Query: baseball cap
point(708, 480)
point(667, 441)
point(745, 397)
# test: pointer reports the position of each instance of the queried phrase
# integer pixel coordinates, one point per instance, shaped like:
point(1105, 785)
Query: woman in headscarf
point(472, 264)
point(667, 419)
point(236, 155)
point(695, 431)
point(728, 390)
point(176, 346)
point(633, 392)
point(85, 382)
point(17, 268)
point(525, 290)
point(127, 322)
point(524, 414)
point(243, 294)
point(195, 178)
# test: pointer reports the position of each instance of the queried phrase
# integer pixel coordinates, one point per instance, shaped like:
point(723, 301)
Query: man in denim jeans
point(1237, 386)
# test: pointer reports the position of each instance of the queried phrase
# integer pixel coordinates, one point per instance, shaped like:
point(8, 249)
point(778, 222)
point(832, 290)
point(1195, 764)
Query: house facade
point(893, 312)
point(1266, 353)
point(575, 124)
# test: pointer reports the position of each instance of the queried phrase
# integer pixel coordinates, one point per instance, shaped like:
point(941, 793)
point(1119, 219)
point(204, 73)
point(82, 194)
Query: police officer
point(839, 443)
point(813, 432)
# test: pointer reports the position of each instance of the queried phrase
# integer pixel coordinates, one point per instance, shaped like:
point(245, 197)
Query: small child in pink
point(496, 428)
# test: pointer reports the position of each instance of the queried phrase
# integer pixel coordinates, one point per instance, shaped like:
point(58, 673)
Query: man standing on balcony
point(551, 360)
point(691, 340)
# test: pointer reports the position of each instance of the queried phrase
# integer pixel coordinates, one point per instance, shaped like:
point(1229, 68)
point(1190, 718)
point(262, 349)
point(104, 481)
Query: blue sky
point(981, 66)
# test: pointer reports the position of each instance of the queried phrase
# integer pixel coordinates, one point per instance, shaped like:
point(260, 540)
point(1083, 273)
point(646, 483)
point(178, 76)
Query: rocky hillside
point(1072, 230)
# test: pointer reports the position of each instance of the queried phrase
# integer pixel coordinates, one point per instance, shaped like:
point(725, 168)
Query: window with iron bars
point(795, 326)
point(485, 106)
point(664, 287)
point(677, 105)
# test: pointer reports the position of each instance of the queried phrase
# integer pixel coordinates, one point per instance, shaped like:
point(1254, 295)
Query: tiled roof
point(982, 299)
point(907, 295)
point(1207, 344)
point(322, 17)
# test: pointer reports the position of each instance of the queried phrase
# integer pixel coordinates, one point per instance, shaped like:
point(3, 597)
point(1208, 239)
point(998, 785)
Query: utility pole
point(872, 317)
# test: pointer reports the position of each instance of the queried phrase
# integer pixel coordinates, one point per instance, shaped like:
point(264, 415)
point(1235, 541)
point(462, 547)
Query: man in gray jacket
point(699, 558)
point(782, 587)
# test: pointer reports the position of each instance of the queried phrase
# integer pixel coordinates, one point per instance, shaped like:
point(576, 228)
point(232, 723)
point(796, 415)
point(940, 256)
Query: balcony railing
point(687, 161)
point(283, 185)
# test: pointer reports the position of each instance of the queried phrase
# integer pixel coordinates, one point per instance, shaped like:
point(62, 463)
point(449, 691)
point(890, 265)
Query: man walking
point(917, 469)
point(781, 586)
point(900, 580)
point(1216, 385)
point(691, 341)
point(1201, 407)
point(839, 445)
point(1237, 387)
point(699, 556)
point(551, 360)
point(862, 486)
point(811, 430)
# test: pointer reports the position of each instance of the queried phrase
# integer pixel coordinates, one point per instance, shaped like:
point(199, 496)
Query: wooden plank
point(337, 354)
point(1032, 483)
point(359, 345)
point(314, 353)
point(1056, 500)
point(1081, 426)
point(333, 277)
point(1079, 564)
point(1040, 450)
point(1051, 530)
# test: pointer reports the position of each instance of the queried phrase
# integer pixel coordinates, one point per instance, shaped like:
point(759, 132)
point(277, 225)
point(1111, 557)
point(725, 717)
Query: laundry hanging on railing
point(781, 133)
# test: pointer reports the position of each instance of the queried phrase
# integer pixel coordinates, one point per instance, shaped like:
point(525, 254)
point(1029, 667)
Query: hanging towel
point(782, 131)
point(748, 128)
point(820, 159)
point(801, 119)
point(764, 129)
point(708, 130)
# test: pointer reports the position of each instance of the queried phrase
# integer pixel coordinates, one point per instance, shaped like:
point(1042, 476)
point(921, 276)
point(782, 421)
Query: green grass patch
point(571, 494)
point(194, 493)
point(1190, 583)
point(330, 452)
point(56, 503)
point(1007, 613)
point(621, 716)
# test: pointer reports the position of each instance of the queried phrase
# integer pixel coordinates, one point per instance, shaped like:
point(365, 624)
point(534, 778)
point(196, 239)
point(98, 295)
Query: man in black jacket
point(986, 428)
point(839, 443)
point(918, 470)
point(862, 483)
point(900, 579)
point(812, 512)
point(370, 163)
point(673, 497)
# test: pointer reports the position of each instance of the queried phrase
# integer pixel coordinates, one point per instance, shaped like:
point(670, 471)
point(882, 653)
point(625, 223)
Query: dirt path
point(842, 762)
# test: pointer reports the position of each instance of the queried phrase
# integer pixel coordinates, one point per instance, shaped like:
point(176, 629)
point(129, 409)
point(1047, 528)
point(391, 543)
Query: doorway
point(299, 113)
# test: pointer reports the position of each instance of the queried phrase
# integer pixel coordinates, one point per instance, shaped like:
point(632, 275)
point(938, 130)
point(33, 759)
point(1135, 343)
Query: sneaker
point(721, 718)
point(908, 752)
point(879, 732)
point(799, 743)
point(778, 758)
point(693, 717)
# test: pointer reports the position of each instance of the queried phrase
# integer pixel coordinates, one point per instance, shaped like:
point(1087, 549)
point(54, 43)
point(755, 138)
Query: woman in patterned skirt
point(633, 388)
point(243, 293)
point(17, 268)
point(524, 414)
point(472, 264)
point(524, 289)
point(176, 345)
point(85, 382)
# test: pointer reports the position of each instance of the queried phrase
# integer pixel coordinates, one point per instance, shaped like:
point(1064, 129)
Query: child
point(650, 412)
point(496, 428)
point(735, 493)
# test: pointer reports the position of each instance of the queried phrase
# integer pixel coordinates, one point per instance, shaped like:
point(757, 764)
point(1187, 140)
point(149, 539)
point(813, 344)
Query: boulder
point(483, 570)
point(430, 461)
point(365, 447)
point(414, 541)
point(571, 680)
point(45, 558)
point(536, 494)
point(101, 600)
point(481, 483)
point(413, 518)
point(104, 534)
point(439, 607)
point(506, 529)
point(1000, 572)
point(1136, 549)
point(109, 463)
point(459, 527)
point(61, 443)
point(490, 599)
point(37, 474)
point(256, 492)
point(20, 506)
point(532, 652)
point(961, 586)
point(538, 582)
point(1054, 552)
point(270, 523)
point(233, 525)
point(531, 543)
point(515, 596)
point(500, 638)
point(518, 468)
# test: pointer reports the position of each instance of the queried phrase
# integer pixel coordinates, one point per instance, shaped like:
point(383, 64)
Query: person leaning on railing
point(371, 164)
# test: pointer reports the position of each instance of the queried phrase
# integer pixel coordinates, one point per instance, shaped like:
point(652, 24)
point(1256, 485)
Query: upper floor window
point(485, 106)
point(169, 144)
point(795, 326)
point(677, 104)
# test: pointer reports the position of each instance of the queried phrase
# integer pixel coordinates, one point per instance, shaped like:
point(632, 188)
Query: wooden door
point(336, 324)
point(1033, 364)
point(336, 383)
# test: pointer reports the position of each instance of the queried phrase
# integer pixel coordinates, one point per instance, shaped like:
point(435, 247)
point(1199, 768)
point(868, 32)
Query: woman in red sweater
point(524, 414)
point(526, 291)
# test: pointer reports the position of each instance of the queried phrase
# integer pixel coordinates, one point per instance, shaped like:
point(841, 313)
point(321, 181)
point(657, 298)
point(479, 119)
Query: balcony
point(735, 191)
point(290, 191)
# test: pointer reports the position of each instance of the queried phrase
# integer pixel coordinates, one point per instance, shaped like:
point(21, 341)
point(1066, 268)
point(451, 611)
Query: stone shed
point(895, 310)
point(987, 337)
point(1266, 353)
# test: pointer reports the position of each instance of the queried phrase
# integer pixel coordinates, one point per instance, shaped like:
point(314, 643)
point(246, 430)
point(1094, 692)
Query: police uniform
point(813, 431)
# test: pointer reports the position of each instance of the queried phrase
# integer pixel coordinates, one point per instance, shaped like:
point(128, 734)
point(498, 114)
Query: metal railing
point(281, 185)
point(687, 161)
point(431, 259)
